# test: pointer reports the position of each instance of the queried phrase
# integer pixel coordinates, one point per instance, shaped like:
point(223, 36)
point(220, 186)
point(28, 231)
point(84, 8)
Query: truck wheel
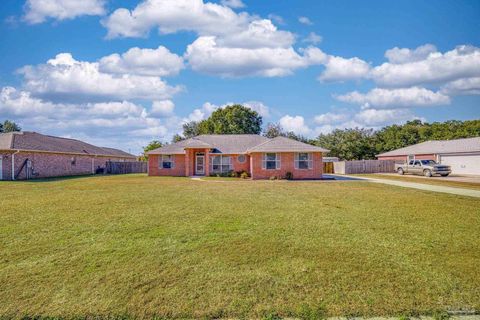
point(400, 171)
point(427, 173)
point(445, 175)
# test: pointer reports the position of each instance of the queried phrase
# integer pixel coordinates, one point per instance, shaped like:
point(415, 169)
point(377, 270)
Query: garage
point(462, 164)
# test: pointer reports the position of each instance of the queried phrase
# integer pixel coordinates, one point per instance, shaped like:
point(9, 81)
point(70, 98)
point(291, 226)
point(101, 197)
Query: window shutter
point(160, 161)
point(264, 161)
point(296, 160)
point(310, 161)
point(172, 157)
point(278, 162)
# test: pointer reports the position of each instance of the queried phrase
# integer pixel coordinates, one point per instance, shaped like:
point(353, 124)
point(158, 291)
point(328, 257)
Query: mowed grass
point(438, 181)
point(142, 246)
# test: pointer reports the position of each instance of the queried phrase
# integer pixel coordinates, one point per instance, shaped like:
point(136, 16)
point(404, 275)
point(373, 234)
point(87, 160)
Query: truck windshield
point(428, 162)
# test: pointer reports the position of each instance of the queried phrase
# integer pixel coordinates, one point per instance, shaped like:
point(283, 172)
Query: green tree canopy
point(149, 147)
point(9, 126)
point(349, 144)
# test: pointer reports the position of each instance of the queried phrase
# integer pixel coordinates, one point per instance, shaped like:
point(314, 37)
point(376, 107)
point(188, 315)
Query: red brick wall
point(237, 166)
point(52, 164)
point(287, 165)
point(404, 158)
point(155, 170)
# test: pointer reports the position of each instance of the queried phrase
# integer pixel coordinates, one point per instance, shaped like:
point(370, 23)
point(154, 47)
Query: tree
point(151, 146)
point(234, 119)
point(177, 138)
point(349, 144)
point(275, 130)
point(9, 126)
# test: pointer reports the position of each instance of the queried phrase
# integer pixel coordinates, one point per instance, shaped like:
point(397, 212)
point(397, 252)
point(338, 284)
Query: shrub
point(289, 176)
point(273, 178)
point(244, 175)
point(233, 174)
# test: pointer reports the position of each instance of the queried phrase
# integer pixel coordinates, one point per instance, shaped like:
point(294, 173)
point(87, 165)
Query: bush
point(233, 174)
point(244, 175)
point(289, 176)
point(273, 178)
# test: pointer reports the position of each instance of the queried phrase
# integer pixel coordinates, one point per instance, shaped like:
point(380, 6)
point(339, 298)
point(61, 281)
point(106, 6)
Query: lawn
point(171, 247)
point(438, 181)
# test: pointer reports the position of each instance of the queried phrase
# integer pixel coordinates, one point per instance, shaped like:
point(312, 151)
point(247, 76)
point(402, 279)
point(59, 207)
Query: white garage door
point(466, 164)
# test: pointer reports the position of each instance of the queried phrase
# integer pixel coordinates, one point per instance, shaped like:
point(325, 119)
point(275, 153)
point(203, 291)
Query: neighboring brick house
point(261, 157)
point(463, 155)
point(35, 155)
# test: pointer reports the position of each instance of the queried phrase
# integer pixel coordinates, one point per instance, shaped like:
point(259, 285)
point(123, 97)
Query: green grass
point(439, 181)
point(171, 247)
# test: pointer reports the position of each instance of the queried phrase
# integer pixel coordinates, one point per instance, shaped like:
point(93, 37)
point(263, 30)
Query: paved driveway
point(414, 185)
point(472, 179)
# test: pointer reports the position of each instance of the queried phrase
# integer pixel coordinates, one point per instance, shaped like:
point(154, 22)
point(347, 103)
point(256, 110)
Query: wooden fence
point(113, 167)
point(364, 166)
point(328, 167)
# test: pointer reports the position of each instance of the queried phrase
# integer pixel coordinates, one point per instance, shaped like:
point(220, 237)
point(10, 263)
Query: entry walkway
point(414, 185)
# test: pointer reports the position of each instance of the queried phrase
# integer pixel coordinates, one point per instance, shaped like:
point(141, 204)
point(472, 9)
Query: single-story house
point(463, 155)
point(27, 155)
point(260, 156)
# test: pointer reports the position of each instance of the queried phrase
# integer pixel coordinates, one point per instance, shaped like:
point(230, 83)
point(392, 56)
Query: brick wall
point(154, 166)
point(53, 164)
point(287, 165)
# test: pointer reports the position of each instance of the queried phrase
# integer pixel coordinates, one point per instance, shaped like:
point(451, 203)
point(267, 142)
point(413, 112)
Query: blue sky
point(121, 73)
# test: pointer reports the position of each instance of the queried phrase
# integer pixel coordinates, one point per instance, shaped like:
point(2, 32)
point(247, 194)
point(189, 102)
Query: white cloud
point(120, 124)
point(467, 86)
point(233, 3)
point(37, 11)
point(375, 118)
point(276, 18)
point(202, 113)
point(148, 62)
point(64, 78)
point(396, 98)
point(434, 68)
point(331, 118)
point(295, 124)
point(262, 109)
point(313, 38)
point(206, 56)
point(305, 20)
point(170, 16)
point(341, 69)
point(404, 55)
point(163, 108)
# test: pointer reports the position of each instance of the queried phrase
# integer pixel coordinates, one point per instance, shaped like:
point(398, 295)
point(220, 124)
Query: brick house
point(261, 157)
point(27, 155)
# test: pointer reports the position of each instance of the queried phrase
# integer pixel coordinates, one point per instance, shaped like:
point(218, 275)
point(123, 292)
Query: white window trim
point(230, 164)
point(309, 161)
point(278, 162)
point(172, 160)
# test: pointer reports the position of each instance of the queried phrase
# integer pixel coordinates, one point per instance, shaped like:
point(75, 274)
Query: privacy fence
point(113, 167)
point(364, 166)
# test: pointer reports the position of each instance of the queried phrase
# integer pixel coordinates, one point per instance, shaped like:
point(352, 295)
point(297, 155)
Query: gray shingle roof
point(283, 144)
point(236, 144)
point(438, 147)
point(39, 142)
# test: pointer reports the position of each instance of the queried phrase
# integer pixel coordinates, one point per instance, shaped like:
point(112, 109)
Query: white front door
point(199, 164)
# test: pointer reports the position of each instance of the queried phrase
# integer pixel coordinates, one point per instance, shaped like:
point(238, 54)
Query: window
point(73, 161)
point(166, 161)
point(417, 163)
point(220, 164)
point(303, 161)
point(241, 158)
point(271, 161)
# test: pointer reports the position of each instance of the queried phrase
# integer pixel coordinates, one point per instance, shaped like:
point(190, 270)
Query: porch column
point(187, 162)
point(207, 162)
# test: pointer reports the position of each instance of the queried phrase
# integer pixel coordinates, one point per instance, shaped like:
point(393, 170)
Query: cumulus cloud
point(467, 86)
point(64, 78)
point(170, 16)
point(295, 124)
point(148, 62)
point(163, 108)
point(233, 3)
point(313, 38)
point(121, 124)
point(425, 66)
point(396, 98)
point(305, 20)
point(331, 118)
point(207, 108)
point(341, 69)
point(206, 56)
point(38, 11)
point(375, 118)
point(276, 18)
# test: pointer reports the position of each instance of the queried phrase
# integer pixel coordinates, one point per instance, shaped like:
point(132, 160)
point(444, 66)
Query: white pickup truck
point(427, 168)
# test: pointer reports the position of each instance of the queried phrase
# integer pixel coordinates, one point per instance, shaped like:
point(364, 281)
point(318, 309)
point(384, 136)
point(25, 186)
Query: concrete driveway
point(472, 179)
point(414, 185)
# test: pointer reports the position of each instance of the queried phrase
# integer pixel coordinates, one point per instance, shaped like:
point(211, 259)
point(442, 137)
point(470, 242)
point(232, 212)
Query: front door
point(199, 164)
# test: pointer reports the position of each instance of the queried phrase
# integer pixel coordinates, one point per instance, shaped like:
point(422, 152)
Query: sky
point(121, 73)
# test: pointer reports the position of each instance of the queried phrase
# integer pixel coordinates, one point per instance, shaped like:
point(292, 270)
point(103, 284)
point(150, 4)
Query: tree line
point(9, 126)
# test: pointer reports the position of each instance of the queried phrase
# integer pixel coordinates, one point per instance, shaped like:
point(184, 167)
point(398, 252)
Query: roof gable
point(284, 144)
